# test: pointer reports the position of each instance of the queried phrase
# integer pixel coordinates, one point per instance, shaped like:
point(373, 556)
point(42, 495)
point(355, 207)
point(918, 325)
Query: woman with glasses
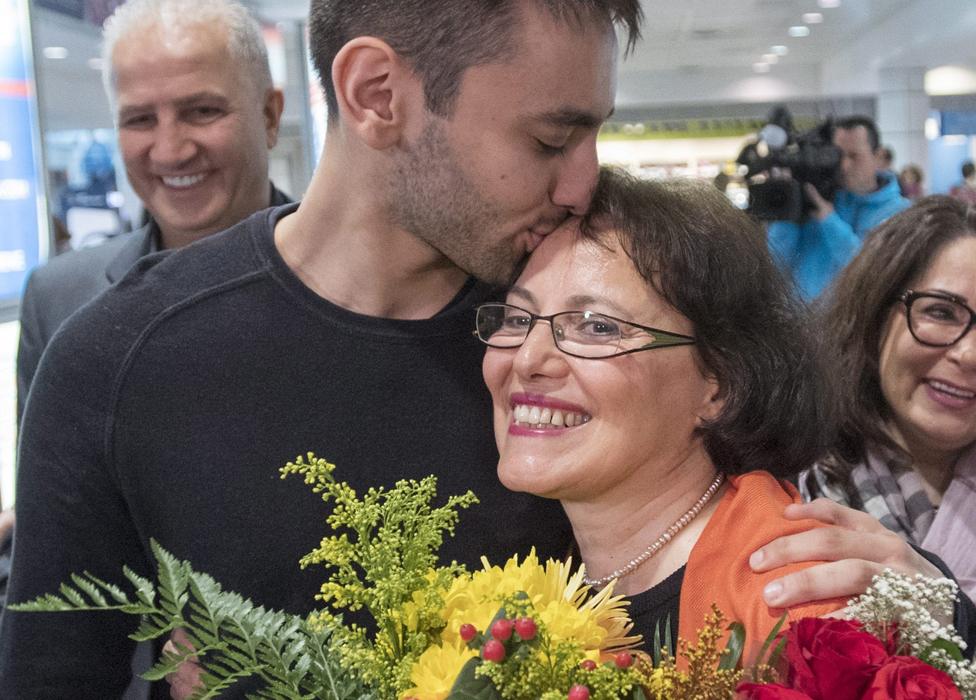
point(899, 326)
point(647, 362)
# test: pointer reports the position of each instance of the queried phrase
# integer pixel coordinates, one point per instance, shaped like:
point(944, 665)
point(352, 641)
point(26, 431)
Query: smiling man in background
point(196, 114)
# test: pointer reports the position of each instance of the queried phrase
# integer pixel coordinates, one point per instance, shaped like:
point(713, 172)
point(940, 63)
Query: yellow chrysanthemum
point(436, 670)
point(603, 608)
point(560, 598)
point(476, 599)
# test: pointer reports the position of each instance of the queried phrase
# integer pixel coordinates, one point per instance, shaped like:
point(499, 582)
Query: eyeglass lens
point(938, 321)
point(580, 333)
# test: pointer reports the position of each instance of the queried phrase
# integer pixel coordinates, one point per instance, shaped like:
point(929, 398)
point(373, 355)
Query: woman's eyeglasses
point(583, 334)
point(937, 319)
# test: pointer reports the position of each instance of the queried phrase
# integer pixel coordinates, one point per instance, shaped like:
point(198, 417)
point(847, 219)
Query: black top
point(65, 283)
point(654, 608)
point(164, 408)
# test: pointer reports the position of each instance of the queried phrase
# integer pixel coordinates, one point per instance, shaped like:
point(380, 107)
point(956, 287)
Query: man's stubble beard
point(433, 199)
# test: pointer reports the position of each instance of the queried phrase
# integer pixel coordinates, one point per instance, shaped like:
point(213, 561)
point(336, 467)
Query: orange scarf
point(749, 516)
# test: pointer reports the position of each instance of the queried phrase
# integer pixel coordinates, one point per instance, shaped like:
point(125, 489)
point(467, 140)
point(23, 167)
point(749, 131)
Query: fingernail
point(757, 558)
point(772, 592)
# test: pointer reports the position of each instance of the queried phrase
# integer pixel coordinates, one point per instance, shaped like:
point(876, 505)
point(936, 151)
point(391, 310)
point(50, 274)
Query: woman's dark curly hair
point(710, 262)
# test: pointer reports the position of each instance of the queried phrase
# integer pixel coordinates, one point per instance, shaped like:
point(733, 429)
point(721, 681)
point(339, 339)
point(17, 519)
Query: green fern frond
point(381, 556)
point(233, 639)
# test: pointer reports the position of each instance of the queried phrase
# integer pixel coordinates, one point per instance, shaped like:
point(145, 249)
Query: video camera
point(779, 161)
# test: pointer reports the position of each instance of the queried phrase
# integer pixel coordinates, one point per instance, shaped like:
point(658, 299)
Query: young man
point(460, 135)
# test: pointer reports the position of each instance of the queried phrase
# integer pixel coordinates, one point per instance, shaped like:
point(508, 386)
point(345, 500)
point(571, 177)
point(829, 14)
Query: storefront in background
point(23, 218)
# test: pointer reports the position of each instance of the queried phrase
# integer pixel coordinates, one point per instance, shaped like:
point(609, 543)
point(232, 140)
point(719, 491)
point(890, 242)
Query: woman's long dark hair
point(856, 309)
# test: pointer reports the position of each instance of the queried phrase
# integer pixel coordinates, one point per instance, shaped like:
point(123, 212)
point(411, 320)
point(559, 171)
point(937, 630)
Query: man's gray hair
point(136, 17)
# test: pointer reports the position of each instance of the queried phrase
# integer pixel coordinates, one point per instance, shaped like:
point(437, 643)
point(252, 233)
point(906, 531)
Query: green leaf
point(154, 625)
point(145, 590)
point(45, 603)
point(945, 645)
point(169, 663)
point(470, 687)
point(657, 648)
point(776, 653)
point(770, 638)
point(733, 650)
point(668, 635)
point(90, 589)
point(73, 596)
point(173, 580)
point(118, 595)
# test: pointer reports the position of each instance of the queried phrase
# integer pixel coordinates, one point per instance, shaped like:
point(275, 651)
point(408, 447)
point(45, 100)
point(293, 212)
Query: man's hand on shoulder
point(821, 207)
point(854, 548)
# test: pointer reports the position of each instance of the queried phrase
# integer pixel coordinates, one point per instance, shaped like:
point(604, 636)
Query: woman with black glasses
point(898, 324)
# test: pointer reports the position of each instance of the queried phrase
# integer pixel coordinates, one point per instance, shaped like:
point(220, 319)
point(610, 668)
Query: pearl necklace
point(666, 537)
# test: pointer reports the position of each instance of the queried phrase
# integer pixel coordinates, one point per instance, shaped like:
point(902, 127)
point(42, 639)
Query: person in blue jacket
point(816, 250)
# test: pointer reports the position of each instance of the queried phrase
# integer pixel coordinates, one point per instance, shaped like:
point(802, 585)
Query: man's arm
point(837, 237)
point(784, 239)
point(854, 550)
point(71, 517)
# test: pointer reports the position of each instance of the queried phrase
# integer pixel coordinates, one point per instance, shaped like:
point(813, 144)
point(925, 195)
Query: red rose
point(768, 691)
point(907, 678)
point(832, 659)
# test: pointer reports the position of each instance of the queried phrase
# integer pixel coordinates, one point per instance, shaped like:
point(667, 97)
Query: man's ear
point(375, 90)
point(274, 105)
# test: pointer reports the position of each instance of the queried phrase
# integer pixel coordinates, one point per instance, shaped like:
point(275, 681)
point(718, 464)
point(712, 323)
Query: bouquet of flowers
point(523, 631)
point(892, 647)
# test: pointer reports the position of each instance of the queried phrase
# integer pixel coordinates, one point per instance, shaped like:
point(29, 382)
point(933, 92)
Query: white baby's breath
point(916, 605)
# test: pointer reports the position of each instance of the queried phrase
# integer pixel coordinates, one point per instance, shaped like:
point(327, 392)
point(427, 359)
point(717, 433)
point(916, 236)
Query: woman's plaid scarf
point(888, 489)
point(891, 491)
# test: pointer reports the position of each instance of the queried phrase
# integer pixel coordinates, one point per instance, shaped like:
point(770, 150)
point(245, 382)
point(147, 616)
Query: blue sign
point(20, 195)
point(958, 123)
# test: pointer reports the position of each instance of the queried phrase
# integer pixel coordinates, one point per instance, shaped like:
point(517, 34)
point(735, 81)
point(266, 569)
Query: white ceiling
point(724, 33)
point(693, 51)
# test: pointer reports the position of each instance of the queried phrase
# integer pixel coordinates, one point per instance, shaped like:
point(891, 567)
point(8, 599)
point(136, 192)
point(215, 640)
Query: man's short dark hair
point(710, 261)
point(443, 39)
point(968, 169)
point(852, 122)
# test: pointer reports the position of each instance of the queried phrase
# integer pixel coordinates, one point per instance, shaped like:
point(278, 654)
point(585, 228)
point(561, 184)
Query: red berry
point(501, 629)
point(587, 664)
point(525, 627)
point(579, 692)
point(467, 632)
point(624, 659)
point(493, 650)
